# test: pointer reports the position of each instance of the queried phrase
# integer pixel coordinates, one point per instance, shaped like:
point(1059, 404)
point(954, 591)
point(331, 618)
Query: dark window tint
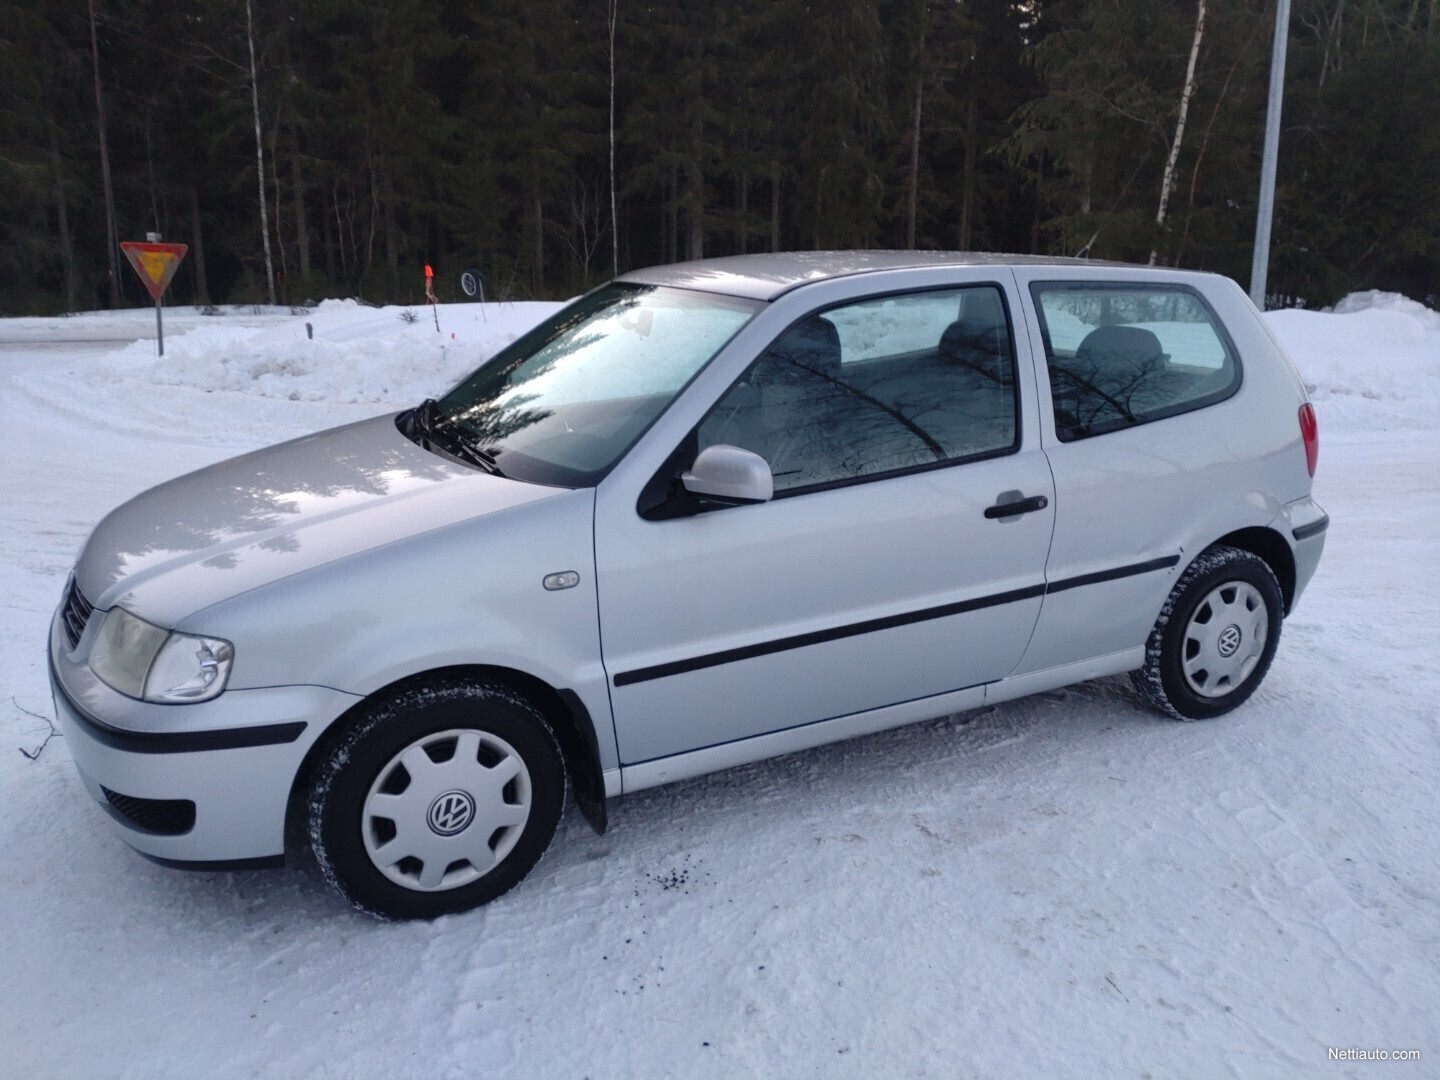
point(1127, 355)
point(888, 384)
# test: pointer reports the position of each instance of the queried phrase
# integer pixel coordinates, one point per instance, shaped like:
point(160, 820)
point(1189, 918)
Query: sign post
point(430, 295)
point(156, 264)
point(473, 285)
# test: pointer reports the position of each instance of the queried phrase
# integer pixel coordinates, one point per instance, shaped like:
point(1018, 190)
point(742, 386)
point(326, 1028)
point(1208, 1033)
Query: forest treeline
point(547, 142)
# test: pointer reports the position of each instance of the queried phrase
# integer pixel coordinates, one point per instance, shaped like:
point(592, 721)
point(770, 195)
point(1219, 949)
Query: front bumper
point(197, 783)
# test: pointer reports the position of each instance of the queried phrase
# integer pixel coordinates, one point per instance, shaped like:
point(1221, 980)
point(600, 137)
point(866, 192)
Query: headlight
point(123, 650)
point(143, 661)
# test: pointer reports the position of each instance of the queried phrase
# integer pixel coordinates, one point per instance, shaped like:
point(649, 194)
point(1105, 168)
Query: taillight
point(1310, 432)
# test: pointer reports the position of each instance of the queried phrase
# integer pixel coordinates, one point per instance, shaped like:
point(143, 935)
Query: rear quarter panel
point(1166, 488)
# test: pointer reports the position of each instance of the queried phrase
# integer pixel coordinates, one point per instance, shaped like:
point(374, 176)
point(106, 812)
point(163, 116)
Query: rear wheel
point(1215, 637)
point(438, 800)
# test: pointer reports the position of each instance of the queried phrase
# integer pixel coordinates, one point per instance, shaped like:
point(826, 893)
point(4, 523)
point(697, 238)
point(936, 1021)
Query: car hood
point(212, 534)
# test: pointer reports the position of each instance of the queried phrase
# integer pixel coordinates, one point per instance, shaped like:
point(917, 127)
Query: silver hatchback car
point(705, 514)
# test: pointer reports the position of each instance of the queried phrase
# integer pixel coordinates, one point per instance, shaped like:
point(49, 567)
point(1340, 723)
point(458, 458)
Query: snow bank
point(1375, 300)
point(1372, 363)
point(247, 379)
point(358, 355)
point(125, 324)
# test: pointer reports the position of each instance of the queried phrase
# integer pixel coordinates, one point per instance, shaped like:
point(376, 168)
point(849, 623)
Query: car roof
point(764, 277)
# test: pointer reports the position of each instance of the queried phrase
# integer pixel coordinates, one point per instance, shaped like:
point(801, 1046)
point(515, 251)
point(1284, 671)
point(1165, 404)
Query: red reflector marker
point(1310, 432)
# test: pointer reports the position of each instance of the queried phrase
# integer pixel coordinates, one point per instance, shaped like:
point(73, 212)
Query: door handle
point(1014, 509)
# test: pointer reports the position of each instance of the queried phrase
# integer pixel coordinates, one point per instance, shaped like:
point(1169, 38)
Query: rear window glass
point(1125, 355)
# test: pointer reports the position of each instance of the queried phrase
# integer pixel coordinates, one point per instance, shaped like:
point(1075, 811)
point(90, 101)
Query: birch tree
point(1168, 180)
point(614, 216)
point(912, 181)
point(112, 240)
point(259, 155)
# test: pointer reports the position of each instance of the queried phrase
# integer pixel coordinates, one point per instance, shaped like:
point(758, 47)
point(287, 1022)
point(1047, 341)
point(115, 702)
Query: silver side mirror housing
point(727, 474)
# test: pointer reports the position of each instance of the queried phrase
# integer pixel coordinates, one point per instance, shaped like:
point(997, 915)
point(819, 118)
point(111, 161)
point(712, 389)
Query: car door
point(881, 572)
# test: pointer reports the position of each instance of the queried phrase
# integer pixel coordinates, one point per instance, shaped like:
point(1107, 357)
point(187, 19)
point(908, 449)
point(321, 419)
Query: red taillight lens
point(1310, 432)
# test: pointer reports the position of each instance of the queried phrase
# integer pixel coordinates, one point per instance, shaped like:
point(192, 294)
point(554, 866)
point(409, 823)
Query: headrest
point(980, 326)
point(982, 307)
point(812, 344)
point(1132, 343)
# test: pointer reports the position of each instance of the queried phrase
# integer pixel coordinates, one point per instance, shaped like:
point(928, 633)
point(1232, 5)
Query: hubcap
point(446, 810)
point(1224, 639)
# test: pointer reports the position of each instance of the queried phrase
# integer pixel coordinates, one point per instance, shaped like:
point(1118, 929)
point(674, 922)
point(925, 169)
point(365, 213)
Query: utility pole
point(1265, 212)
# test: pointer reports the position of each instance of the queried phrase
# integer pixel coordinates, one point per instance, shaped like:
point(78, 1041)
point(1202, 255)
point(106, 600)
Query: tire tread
point(1149, 680)
point(389, 711)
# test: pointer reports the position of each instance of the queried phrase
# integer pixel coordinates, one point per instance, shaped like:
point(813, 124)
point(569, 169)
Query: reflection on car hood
point(204, 537)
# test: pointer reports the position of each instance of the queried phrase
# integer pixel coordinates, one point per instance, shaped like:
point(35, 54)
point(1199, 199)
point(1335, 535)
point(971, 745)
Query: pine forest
point(337, 147)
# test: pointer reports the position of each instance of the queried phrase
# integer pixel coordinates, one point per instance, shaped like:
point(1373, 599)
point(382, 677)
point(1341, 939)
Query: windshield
point(563, 403)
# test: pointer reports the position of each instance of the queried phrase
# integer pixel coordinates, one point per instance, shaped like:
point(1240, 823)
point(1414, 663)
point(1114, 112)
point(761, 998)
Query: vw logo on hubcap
point(451, 812)
point(1229, 641)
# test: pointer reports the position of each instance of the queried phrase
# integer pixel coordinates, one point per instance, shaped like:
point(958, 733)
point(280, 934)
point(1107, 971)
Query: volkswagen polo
point(703, 515)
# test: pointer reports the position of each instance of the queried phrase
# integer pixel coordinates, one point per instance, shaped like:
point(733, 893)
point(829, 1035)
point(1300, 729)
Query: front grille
point(75, 614)
point(167, 817)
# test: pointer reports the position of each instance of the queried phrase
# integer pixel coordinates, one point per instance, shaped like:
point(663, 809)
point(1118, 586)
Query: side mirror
point(730, 476)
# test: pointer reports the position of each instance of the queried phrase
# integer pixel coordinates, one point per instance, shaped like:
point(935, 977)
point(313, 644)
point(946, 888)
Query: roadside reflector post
point(155, 263)
point(430, 295)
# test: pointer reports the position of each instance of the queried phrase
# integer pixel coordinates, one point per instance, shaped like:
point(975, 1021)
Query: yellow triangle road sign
point(155, 264)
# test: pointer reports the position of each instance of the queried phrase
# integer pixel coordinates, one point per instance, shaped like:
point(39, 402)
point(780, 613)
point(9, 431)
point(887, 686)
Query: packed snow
point(1063, 886)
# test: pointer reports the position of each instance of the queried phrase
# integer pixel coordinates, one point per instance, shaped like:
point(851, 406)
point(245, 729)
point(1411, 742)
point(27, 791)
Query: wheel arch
point(1269, 545)
point(569, 719)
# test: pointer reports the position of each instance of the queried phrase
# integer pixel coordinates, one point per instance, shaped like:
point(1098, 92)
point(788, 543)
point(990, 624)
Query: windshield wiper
point(420, 423)
point(461, 446)
point(423, 426)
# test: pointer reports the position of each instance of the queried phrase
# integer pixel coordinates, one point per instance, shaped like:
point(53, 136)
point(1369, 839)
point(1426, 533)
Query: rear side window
point(1127, 354)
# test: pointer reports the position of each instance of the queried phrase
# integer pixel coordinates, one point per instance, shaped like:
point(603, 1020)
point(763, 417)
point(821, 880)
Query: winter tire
point(438, 800)
point(1215, 636)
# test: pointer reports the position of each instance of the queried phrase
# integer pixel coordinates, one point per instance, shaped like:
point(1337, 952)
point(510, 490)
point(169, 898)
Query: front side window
point(889, 384)
point(564, 402)
point(1125, 355)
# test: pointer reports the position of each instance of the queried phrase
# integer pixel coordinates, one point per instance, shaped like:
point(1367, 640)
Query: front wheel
point(1215, 636)
point(438, 800)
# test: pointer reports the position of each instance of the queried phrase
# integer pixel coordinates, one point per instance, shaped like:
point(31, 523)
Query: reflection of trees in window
point(817, 421)
point(485, 408)
point(1116, 308)
point(1120, 374)
point(1099, 386)
point(490, 423)
point(561, 404)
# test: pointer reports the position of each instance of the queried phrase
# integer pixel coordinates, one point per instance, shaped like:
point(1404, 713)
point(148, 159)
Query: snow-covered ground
point(1065, 886)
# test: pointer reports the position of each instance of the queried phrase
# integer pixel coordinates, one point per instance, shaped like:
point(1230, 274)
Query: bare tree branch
point(54, 732)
